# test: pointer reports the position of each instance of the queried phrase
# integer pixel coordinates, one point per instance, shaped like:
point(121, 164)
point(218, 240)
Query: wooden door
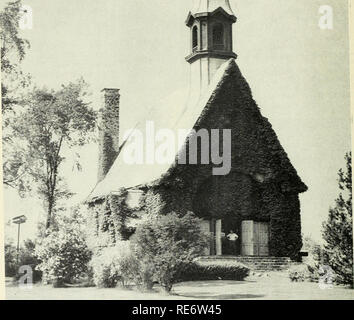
point(255, 238)
point(247, 248)
point(205, 226)
point(262, 239)
point(218, 245)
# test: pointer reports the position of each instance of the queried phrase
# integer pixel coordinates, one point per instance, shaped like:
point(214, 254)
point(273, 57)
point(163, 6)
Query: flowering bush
point(63, 253)
point(114, 264)
point(167, 244)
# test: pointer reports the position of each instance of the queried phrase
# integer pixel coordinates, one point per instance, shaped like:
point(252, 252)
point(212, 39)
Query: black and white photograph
point(176, 150)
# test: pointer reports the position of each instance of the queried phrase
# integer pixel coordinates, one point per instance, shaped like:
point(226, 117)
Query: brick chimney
point(108, 131)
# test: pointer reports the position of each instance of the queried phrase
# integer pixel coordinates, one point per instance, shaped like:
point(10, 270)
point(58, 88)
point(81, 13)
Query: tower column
point(210, 23)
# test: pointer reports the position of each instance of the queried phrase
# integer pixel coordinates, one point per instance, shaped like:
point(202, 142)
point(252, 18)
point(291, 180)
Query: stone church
point(258, 198)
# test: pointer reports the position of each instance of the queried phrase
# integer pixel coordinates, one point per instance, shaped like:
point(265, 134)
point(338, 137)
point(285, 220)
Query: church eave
point(210, 53)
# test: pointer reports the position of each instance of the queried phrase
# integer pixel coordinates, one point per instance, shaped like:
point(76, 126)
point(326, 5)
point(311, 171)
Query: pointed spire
point(203, 8)
point(209, 6)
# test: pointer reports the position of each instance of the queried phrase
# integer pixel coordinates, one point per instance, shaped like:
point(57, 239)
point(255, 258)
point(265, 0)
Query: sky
point(298, 73)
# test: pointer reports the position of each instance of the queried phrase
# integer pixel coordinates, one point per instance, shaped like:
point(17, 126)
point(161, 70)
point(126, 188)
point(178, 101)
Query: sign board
point(19, 219)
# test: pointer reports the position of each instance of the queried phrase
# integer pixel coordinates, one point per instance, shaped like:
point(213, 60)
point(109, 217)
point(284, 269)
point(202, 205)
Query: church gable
point(255, 148)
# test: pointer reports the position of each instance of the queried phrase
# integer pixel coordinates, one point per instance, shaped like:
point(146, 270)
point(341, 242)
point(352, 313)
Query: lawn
point(274, 286)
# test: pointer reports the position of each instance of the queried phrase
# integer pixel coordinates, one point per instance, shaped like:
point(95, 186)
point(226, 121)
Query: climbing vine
point(108, 220)
point(262, 184)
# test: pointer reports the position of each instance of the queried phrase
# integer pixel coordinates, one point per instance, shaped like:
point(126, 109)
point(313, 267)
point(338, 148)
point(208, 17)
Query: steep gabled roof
point(256, 148)
point(130, 175)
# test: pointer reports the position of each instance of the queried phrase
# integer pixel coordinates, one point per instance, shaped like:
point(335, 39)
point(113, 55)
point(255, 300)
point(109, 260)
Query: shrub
point(302, 273)
point(214, 270)
point(63, 255)
point(338, 229)
point(10, 260)
point(26, 258)
point(145, 280)
point(315, 258)
point(167, 244)
point(114, 264)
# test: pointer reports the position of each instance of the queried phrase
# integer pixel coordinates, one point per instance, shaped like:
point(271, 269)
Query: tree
point(13, 50)
point(52, 122)
point(168, 244)
point(338, 229)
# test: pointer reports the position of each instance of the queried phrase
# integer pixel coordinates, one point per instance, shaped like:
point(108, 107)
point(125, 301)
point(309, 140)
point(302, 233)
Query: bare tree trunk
point(49, 214)
point(52, 183)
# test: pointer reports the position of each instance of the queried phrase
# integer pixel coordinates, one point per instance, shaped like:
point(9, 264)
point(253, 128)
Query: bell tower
point(210, 23)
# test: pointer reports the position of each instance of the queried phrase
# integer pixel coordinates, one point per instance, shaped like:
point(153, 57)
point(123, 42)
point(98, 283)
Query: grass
point(272, 286)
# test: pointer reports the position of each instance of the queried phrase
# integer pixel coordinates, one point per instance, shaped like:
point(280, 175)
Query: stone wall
point(237, 197)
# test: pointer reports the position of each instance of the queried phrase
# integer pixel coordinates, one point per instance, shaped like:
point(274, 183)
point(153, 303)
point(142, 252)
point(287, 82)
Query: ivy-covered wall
point(108, 220)
point(108, 131)
point(261, 186)
point(237, 197)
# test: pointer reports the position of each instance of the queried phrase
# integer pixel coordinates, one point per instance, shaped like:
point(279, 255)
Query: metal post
point(18, 241)
point(18, 220)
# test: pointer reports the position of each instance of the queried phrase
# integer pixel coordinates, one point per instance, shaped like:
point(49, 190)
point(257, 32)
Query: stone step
point(254, 263)
point(243, 257)
point(246, 259)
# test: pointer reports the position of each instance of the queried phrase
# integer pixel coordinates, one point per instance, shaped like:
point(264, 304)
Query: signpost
point(19, 220)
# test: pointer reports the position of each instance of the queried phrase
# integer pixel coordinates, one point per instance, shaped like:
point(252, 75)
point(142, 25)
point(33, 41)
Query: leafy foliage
point(52, 121)
point(213, 270)
point(338, 229)
point(120, 215)
point(169, 243)
point(314, 260)
point(109, 132)
point(10, 260)
point(301, 273)
point(13, 50)
point(114, 264)
point(26, 258)
point(109, 220)
point(63, 253)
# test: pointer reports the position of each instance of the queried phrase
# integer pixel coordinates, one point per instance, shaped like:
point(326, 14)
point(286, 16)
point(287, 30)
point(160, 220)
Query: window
point(195, 38)
point(218, 36)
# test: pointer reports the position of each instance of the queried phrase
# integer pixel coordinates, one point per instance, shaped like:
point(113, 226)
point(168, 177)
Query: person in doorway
point(232, 238)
